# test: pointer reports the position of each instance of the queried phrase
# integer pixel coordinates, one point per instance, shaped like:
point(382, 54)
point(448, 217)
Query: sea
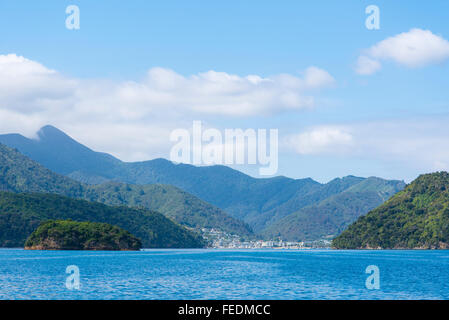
point(224, 274)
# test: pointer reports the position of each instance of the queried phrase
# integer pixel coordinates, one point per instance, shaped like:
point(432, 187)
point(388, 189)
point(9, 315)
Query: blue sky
point(119, 42)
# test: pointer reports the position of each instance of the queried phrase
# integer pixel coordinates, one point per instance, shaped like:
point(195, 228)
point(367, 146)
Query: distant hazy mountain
point(59, 153)
point(21, 174)
point(332, 215)
point(259, 202)
point(415, 218)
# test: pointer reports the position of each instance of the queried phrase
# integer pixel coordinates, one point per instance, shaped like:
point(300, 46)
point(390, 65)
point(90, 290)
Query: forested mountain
point(417, 217)
point(332, 215)
point(21, 174)
point(174, 203)
point(259, 202)
point(21, 214)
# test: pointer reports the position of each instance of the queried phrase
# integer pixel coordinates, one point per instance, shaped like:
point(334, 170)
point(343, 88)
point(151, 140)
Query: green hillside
point(258, 202)
point(21, 214)
point(417, 217)
point(72, 235)
point(174, 203)
point(301, 209)
point(332, 215)
point(21, 174)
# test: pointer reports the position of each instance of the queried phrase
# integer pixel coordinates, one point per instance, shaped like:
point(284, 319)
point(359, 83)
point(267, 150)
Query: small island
point(73, 235)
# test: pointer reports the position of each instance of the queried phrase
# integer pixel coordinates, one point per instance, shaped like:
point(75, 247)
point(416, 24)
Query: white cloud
point(317, 78)
point(415, 48)
point(29, 86)
point(321, 140)
point(138, 115)
point(422, 144)
point(367, 66)
point(220, 93)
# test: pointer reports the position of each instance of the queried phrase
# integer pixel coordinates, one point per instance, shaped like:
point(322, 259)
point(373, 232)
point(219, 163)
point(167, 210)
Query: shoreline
point(226, 249)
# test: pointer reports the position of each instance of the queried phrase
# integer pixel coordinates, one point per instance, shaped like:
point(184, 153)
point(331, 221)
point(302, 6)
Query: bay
point(224, 274)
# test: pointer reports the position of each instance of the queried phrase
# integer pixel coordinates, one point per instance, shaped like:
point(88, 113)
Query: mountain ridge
point(259, 202)
point(20, 174)
point(415, 218)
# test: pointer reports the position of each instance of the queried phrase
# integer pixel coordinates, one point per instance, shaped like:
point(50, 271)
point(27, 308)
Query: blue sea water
point(221, 274)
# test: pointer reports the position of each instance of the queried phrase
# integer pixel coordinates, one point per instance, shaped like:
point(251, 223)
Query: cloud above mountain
point(133, 119)
point(416, 143)
point(321, 140)
point(412, 49)
point(29, 85)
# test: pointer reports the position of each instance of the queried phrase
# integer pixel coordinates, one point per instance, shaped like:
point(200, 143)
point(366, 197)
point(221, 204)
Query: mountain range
point(331, 216)
point(293, 209)
point(19, 174)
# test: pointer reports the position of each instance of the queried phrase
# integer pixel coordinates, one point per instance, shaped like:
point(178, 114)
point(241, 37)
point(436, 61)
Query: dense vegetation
point(324, 220)
point(174, 203)
point(20, 174)
point(258, 202)
point(72, 235)
point(417, 217)
point(331, 216)
point(21, 214)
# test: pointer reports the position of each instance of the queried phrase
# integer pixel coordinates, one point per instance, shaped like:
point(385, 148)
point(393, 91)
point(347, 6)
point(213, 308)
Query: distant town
point(221, 240)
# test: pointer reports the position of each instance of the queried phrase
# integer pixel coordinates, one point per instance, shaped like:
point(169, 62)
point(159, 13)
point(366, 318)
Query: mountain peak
point(59, 152)
point(49, 127)
point(49, 132)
